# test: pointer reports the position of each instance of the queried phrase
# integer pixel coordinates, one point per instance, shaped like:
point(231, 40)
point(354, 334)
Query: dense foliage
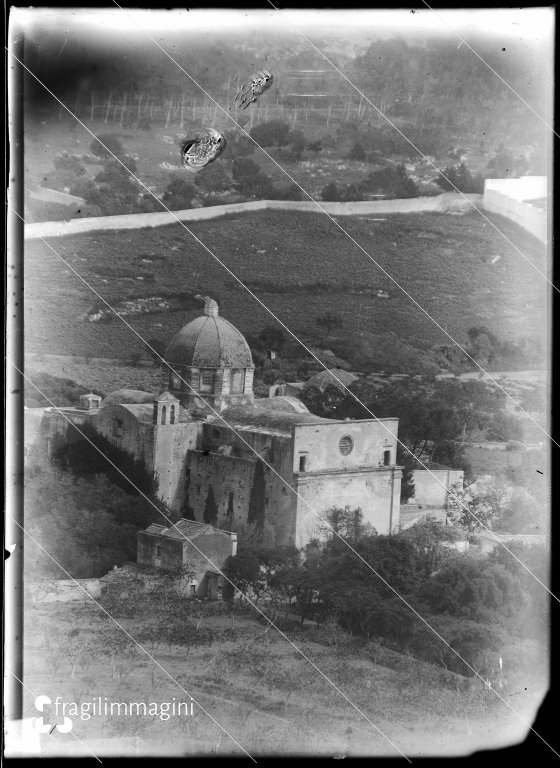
point(378, 587)
point(86, 523)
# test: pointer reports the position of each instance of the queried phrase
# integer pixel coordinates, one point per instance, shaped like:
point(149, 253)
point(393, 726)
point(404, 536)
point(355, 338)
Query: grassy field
point(441, 260)
point(260, 689)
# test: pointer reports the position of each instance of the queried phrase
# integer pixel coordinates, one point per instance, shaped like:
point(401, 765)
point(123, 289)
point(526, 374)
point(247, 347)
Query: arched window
point(237, 380)
point(172, 414)
point(163, 414)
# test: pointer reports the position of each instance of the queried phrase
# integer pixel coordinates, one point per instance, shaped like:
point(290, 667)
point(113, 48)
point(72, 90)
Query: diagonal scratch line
point(228, 426)
point(388, 120)
point(174, 525)
point(246, 288)
point(271, 623)
point(464, 42)
point(343, 386)
point(156, 662)
point(288, 331)
point(385, 272)
point(463, 506)
point(77, 738)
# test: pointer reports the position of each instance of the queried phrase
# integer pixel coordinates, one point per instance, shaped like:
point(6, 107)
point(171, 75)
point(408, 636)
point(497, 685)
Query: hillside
point(258, 688)
point(444, 261)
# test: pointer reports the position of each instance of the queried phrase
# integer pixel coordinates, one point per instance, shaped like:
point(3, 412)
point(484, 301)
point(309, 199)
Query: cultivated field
point(299, 265)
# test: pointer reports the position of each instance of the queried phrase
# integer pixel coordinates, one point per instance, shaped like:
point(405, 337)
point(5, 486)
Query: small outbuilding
point(187, 543)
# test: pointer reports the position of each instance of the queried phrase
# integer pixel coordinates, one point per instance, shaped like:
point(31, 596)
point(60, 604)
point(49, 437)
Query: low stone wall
point(511, 198)
point(447, 202)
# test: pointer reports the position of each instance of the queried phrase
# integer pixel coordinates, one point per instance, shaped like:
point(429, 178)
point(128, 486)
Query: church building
point(216, 450)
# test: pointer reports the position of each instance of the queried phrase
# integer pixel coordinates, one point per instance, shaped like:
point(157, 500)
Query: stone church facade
point(205, 429)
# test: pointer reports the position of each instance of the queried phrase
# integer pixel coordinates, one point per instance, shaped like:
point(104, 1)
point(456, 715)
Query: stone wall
point(168, 557)
point(319, 444)
point(509, 197)
point(327, 476)
point(206, 555)
point(172, 444)
point(137, 438)
point(448, 201)
point(431, 486)
point(376, 492)
point(233, 472)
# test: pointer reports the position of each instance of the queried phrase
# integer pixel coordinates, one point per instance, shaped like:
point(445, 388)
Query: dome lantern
point(210, 307)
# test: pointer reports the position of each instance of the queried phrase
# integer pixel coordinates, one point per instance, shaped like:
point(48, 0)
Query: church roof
point(209, 342)
point(257, 416)
point(166, 397)
point(120, 396)
point(282, 403)
point(183, 528)
point(323, 379)
point(141, 411)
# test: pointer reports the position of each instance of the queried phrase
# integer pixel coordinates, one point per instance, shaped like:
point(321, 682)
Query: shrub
point(331, 193)
point(112, 145)
point(273, 133)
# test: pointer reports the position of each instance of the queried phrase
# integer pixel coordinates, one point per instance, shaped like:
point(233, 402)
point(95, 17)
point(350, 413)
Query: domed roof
point(209, 342)
point(324, 379)
point(282, 403)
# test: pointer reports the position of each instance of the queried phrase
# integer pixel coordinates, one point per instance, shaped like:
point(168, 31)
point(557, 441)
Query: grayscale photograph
point(278, 358)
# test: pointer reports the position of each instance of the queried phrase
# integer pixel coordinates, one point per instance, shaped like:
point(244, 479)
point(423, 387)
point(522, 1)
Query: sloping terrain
point(299, 266)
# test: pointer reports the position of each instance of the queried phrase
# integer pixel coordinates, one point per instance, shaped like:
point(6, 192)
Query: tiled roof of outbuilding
point(182, 529)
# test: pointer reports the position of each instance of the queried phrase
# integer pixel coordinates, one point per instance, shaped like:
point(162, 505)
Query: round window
point(345, 445)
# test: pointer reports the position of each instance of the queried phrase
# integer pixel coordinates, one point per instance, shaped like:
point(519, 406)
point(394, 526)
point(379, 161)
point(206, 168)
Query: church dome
point(209, 342)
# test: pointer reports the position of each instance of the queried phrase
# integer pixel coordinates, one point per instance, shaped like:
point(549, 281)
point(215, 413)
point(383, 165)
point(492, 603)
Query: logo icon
point(43, 727)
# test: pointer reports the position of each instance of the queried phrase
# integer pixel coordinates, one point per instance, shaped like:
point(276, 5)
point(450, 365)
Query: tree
point(329, 321)
point(351, 193)
point(461, 179)
point(272, 337)
point(213, 179)
point(298, 144)
point(242, 569)
point(250, 179)
point(289, 192)
point(392, 181)
point(210, 508)
point(408, 462)
point(158, 350)
point(179, 194)
point(113, 146)
point(331, 193)
point(230, 513)
point(357, 153)
point(257, 497)
point(345, 523)
point(474, 514)
point(315, 146)
point(115, 191)
point(272, 133)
